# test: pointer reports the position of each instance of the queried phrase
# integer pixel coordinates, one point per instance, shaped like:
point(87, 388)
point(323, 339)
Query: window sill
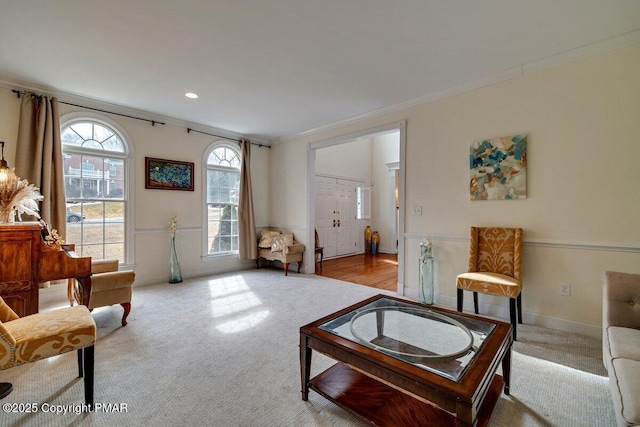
point(228, 256)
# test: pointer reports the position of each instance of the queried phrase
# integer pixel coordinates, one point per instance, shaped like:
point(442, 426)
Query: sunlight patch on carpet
point(243, 323)
point(227, 285)
point(231, 295)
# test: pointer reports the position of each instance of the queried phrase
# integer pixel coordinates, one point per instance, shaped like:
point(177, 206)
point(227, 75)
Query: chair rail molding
point(560, 244)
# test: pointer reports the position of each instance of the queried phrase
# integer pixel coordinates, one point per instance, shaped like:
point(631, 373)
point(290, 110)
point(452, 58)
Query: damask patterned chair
point(50, 333)
point(495, 268)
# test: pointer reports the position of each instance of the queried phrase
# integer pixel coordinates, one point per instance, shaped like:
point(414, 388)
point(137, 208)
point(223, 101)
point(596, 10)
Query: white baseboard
point(391, 251)
point(501, 312)
point(211, 270)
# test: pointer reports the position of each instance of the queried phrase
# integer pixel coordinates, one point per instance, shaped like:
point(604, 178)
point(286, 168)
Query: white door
point(346, 215)
point(336, 222)
point(325, 214)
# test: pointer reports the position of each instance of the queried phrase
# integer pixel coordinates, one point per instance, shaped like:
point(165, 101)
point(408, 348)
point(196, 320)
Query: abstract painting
point(499, 168)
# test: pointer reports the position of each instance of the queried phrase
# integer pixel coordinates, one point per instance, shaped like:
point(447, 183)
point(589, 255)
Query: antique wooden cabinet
point(19, 257)
point(25, 261)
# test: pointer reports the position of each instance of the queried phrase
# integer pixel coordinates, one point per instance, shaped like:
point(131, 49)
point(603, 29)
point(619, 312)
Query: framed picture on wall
point(499, 168)
point(162, 174)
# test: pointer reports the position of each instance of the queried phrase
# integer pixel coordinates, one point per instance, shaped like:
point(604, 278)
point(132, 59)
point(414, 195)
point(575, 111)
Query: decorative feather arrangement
point(20, 197)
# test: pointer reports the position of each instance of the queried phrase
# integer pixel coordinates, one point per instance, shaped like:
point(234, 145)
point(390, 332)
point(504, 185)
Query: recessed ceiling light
point(191, 95)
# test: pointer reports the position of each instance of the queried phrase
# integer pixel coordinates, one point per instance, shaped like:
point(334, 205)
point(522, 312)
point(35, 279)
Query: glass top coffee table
point(403, 363)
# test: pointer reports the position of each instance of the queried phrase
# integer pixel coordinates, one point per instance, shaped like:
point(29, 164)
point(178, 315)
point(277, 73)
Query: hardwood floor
point(375, 270)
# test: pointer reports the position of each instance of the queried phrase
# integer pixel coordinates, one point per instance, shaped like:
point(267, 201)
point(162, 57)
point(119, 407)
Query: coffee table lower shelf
point(382, 405)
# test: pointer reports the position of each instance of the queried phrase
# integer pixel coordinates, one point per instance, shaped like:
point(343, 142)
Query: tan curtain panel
point(39, 156)
point(247, 241)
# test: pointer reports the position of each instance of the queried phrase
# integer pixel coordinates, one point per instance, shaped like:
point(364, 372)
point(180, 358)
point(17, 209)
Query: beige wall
point(351, 160)
point(154, 208)
point(386, 149)
point(9, 116)
point(580, 217)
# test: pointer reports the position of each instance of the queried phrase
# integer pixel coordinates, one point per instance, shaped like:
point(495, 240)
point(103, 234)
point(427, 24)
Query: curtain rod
point(189, 130)
point(153, 122)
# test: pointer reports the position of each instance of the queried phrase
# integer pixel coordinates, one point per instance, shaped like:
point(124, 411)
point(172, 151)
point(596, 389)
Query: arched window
point(94, 157)
point(223, 187)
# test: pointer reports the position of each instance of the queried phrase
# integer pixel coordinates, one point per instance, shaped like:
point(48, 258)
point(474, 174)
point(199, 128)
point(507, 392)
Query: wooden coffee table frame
point(384, 390)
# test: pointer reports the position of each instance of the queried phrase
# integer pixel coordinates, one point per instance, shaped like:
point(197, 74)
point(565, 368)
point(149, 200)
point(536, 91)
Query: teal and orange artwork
point(499, 168)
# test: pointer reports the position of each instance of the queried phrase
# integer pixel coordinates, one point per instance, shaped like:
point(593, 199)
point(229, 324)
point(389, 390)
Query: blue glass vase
point(175, 275)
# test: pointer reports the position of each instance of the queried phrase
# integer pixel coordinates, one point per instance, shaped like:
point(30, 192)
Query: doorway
point(391, 223)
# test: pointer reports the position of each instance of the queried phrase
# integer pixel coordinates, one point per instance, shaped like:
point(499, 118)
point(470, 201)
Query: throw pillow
point(279, 242)
point(266, 238)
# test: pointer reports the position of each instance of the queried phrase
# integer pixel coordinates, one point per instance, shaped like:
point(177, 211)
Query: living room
point(578, 108)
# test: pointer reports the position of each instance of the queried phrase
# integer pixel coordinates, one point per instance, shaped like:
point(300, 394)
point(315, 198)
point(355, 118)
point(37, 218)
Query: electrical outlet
point(417, 210)
point(565, 290)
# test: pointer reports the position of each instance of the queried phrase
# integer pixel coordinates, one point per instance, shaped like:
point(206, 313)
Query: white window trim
point(70, 118)
point(206, 256)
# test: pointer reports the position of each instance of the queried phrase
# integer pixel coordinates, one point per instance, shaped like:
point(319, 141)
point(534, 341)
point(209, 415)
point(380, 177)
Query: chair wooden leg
point(519, 302)
point(512, 314)
point(5, 389)
point(286, 268)
point(460, 299)
point(80, 362)
point(299, 265)
point(127, 310)
point(88, 376)
point(475, 302)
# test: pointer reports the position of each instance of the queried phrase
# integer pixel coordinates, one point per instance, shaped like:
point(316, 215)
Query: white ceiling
point(273, 69)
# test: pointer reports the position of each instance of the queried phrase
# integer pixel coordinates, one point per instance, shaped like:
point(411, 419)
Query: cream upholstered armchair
point(276, 246)
point(109, 286)
point(50, 333)
point(495, 268)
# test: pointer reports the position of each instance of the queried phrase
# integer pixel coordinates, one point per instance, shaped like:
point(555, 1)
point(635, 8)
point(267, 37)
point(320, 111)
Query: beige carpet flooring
point(223, 351)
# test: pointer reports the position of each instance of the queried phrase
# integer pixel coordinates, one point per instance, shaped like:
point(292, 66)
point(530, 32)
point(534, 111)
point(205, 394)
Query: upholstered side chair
point(50, 333)
point(109, 286)
point(495, 268)
point(275, 246)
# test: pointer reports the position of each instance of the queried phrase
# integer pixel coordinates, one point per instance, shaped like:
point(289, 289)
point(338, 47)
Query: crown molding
point(597, 48)
point(603, 46)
